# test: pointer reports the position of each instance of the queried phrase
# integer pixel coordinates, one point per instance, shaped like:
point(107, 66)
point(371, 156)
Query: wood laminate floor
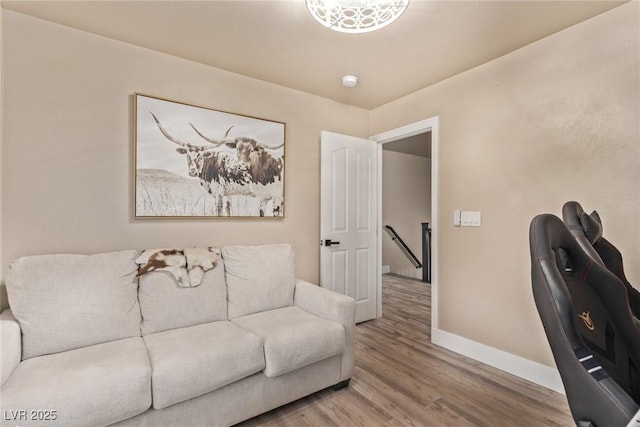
point(401, 379)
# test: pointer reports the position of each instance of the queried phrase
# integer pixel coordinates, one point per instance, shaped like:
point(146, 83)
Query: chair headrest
point(550, 238)
point(577, 220)
point(587, 229)
point(592, 226)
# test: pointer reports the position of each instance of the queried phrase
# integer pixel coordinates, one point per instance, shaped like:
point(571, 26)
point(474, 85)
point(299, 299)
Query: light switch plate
point(470, 219)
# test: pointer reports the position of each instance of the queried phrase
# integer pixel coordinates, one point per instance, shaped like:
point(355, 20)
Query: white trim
point(427, 125)
point(531, 371)
point(406, 131)
point(386, 269)
point(435, 221)
point(379, 233)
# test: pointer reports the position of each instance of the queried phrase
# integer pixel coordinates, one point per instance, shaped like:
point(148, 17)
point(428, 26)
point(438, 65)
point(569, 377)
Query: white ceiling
point(279, 42)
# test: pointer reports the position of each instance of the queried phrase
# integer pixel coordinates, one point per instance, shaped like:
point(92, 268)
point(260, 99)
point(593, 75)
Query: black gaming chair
point(587, 229)
point(585, 313)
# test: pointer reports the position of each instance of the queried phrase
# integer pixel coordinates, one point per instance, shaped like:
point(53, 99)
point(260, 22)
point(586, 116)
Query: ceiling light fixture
point(356, 16)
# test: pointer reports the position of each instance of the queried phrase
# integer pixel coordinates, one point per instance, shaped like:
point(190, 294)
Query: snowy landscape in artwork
point(197, 162)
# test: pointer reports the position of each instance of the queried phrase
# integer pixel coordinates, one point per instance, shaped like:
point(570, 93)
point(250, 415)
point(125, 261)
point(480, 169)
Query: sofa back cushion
point(63, 302)
point(167, 305)
point(258, 278)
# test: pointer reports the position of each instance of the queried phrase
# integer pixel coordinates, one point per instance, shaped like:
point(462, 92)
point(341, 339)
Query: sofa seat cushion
point(294, 338)
point(189, 362)
point(89, 386)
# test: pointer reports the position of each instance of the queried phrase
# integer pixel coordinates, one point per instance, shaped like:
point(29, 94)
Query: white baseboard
point(531, 371)
point(386, 269)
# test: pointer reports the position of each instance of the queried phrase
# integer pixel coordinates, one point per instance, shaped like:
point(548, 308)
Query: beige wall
point(406, 202)
point(67, 133)
point(554, 121)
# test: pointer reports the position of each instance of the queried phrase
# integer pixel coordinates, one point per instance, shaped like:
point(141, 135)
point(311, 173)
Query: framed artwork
point(196, 162)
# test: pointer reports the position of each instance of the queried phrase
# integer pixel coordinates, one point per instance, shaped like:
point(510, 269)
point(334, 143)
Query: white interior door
point(348, 220)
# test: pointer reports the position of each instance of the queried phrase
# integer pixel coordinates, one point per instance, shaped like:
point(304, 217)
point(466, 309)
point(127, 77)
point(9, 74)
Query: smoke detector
point(349, 81)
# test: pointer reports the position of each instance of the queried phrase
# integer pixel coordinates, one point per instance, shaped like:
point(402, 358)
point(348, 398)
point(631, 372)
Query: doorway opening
point(389, 144)
point(406, 207)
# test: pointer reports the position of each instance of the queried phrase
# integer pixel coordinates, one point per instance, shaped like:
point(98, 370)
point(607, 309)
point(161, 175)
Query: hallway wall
point(406, 203)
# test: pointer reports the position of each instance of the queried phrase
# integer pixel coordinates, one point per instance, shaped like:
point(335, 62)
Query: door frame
point(423, 126)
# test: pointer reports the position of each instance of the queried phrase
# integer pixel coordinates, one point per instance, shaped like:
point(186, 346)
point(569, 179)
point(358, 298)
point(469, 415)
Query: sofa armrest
point(331, 306)
point(11, 345)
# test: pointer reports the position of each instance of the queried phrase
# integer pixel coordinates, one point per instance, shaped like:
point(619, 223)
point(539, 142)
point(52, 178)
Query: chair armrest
point(11, 345)
point(331, 306)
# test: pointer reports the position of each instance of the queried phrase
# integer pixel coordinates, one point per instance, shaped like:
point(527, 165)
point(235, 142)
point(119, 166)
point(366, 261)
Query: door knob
point(328, 242)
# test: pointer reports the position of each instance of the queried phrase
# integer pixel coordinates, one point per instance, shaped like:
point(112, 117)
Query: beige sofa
point(87, 343)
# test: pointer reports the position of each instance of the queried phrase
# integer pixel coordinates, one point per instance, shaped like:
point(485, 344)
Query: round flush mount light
point(356, 16)
point(349, 81)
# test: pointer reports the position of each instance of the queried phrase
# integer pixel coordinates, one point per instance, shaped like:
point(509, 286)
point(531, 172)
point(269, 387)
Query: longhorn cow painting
point(195, 162)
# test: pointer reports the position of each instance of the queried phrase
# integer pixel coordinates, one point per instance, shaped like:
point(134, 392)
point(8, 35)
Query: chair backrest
point(585, 313)
point(587, 230)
